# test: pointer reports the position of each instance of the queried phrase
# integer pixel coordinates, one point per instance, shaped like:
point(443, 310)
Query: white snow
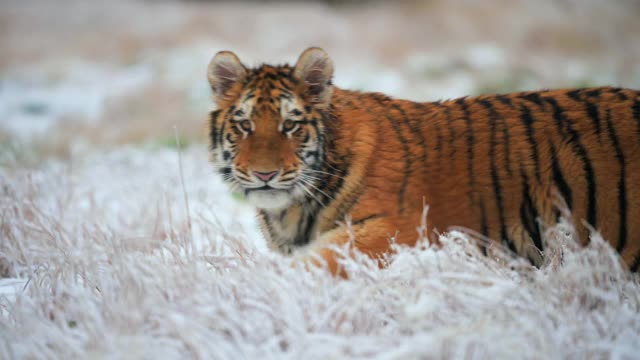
point(110, 269)
point(35, 98)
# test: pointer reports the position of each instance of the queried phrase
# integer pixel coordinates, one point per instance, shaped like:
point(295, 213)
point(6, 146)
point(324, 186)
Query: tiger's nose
point(265, 176)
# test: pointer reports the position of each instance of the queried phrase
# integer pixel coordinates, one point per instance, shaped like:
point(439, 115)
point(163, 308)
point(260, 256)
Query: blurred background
point(82, 75)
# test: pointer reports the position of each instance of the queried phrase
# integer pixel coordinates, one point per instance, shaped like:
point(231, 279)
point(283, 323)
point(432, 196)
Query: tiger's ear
point(315, 70)
point(224, 72)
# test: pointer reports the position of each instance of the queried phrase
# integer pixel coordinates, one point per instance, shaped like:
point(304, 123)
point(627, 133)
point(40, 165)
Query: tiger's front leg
point(371, 237)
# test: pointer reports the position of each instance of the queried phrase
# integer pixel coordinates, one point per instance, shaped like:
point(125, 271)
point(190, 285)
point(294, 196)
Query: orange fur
point(493, 163)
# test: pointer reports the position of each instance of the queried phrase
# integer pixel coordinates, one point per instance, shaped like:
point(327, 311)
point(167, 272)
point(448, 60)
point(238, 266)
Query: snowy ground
point(106, 253)
point(105, 265)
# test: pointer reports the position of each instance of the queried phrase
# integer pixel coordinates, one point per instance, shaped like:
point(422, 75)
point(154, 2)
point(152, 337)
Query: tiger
point(308, 155)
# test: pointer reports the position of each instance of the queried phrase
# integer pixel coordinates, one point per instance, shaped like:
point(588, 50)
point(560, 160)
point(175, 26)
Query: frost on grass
point(101, 258)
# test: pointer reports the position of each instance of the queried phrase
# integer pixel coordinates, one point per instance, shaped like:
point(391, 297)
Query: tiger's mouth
point(262, 188)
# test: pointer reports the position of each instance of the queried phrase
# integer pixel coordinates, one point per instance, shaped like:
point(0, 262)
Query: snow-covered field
point(106, 261)
point(114, 244)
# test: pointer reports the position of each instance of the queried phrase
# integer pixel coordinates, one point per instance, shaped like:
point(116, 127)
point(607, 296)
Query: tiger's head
point(268, 132)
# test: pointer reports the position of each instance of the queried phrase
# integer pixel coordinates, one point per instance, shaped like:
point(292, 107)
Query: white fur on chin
point(269, 199)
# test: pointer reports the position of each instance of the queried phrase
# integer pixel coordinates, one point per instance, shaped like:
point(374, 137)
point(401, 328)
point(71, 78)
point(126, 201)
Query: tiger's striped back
point(511, 155)
point(505, 165)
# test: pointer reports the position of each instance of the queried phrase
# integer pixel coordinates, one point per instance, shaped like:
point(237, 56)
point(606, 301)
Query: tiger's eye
point(245, 125)
point(288, 125)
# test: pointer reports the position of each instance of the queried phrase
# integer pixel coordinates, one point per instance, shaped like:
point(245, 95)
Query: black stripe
point(365, 219)
point(284, 71)
point(470, 144)
point(527, 120)
point(221, 133)
point(507, 146)
point(591, 108)
point(529, 213)
point(407, 161)
point(452, 135)
point(213, 129)
point(635, 266)
point(331, 163)
point(636, 115)
point(225, 171)
point(620, 93)
point(495, 178)
point(242, 172)
point(505, 133)
point(575, 95)
point(566, 129)
point(306, 139)
point(622, 195)
point(439, 141)
point(306, 224)
point(592, 112)
point(534, 97)
point(505, 100)
point(594, 92)
point(416, 131)
point(558, 179)
point(267, 223)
